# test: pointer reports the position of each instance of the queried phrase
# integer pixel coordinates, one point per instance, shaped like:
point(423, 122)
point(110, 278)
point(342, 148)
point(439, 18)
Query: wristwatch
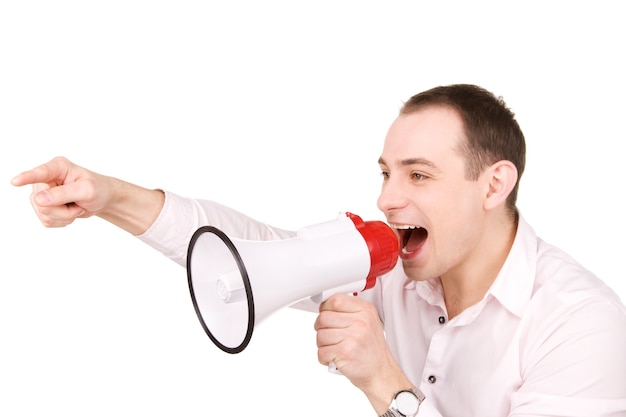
point(405, 403)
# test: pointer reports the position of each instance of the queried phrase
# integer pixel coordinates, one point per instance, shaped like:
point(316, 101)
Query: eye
point(418, 177)
point(385, 175)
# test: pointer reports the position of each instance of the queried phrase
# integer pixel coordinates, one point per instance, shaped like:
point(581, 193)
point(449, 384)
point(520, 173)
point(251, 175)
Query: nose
point(392, 197)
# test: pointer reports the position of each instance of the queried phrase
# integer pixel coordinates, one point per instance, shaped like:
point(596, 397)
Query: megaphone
point(235, 284)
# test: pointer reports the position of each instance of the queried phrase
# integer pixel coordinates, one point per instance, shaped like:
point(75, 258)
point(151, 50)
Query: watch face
point(407, 403)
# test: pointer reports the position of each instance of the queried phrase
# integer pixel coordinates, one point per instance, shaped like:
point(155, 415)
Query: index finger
point(54, 171)
point(342, 303)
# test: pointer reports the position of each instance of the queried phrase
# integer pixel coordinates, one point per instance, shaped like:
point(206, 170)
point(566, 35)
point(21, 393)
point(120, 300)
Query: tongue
point(416, 238)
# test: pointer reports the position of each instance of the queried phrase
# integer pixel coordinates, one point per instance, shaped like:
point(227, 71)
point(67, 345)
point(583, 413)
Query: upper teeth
point(404, 226)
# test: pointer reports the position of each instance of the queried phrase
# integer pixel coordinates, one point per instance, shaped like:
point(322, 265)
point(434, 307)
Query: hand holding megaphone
point(235, 284)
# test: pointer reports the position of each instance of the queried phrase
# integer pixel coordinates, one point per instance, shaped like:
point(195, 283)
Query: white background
point(278, 109)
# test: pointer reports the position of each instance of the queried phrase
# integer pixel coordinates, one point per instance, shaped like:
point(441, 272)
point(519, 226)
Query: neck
point(468, 283)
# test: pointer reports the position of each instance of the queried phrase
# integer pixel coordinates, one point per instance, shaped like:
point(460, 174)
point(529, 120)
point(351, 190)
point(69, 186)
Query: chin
point(413, 271)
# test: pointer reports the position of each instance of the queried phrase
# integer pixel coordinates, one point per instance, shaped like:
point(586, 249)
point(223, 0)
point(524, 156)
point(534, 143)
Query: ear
point(500, 180)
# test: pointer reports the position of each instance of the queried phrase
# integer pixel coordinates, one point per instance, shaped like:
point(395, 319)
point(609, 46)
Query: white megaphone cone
point(235, 284)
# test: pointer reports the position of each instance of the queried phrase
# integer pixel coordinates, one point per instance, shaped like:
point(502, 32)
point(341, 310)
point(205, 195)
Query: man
point(480, 318)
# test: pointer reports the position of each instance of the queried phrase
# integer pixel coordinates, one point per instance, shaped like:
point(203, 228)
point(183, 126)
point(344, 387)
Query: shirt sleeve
point(559, 380)
point(180, 217)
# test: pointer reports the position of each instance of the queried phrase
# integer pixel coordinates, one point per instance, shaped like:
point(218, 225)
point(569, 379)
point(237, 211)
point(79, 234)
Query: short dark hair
point(492, 133)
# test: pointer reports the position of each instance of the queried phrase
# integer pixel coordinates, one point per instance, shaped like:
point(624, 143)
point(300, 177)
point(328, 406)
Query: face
point(437, 213)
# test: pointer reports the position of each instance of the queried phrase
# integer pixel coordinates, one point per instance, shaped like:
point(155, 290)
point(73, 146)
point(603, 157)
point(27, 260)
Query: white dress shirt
point(548, 338)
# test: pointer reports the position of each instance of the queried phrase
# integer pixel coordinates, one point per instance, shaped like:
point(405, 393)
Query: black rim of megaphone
point(246, 283)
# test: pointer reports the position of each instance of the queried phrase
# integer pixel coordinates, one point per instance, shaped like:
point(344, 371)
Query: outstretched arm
point(64, 191)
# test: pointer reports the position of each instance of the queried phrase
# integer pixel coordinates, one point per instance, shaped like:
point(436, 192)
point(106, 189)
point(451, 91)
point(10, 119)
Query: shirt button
point(432, 379)
point(442, 319)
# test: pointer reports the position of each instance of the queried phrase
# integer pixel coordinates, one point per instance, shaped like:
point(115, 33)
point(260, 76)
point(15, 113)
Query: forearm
point(131, 207)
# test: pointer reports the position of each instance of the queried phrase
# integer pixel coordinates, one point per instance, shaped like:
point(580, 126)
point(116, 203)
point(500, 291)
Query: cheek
point(456, 209)
point(468, 195)
point(458, 222)
point(460, 199)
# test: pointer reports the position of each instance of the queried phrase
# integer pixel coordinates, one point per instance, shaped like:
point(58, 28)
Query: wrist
point(382, 396)
point(382, 389)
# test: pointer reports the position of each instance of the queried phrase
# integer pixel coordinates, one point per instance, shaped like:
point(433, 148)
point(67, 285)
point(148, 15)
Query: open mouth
point(410, 237)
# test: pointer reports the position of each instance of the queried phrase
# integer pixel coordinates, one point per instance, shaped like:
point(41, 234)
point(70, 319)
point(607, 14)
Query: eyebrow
point(411, 161)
